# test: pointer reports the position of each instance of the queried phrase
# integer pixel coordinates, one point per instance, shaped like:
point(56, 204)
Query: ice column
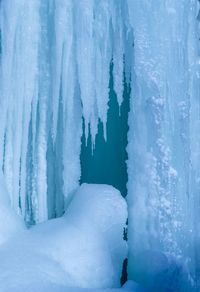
point(18, 89)
point(164, 137)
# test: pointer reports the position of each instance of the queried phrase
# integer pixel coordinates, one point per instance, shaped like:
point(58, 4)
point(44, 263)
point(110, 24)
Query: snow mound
point(50, 287)
point(103, 209)
point(84, 248)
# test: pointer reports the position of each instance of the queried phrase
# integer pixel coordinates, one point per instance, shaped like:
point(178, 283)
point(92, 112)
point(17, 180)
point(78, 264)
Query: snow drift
point(84, 248)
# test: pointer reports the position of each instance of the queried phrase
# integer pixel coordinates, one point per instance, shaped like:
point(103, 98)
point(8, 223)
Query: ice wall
point(55, 60)
point(164, 139)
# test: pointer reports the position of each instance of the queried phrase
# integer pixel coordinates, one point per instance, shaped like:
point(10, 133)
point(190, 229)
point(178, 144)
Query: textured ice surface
point(54, 66)
point(10, 223)
point(84, 248)
point(156, 271)
point(164, 140)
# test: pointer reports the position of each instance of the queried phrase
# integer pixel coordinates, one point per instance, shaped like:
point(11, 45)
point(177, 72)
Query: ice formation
point(164, 141)
point(10, 223)
point(55, 62)
point(55, 59)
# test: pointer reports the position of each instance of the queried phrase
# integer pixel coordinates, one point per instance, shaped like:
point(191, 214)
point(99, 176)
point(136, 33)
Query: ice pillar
point(164, 137)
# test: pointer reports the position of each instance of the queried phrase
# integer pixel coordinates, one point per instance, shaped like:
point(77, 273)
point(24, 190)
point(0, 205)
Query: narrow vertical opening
point(106, 163)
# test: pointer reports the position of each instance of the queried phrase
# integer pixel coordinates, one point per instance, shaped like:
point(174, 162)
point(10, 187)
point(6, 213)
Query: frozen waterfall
point(55, 64)
point(55, 70)
point(164, 140)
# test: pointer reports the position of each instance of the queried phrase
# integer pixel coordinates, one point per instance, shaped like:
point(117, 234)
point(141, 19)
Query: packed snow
point(84, 248)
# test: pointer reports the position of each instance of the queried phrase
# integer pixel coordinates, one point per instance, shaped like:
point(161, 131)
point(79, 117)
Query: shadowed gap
point(107, 163)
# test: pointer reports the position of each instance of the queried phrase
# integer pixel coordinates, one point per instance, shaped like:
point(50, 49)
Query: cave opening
point(106, 163)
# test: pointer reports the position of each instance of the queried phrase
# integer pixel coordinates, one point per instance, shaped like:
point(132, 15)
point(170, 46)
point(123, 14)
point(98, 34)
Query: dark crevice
point(106, 164)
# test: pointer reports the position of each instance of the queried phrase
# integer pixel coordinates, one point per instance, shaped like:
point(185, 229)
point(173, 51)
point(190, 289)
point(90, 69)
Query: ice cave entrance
point(106, 164)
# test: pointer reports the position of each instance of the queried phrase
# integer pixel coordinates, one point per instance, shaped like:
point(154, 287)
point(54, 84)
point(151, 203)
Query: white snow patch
point(84, 248)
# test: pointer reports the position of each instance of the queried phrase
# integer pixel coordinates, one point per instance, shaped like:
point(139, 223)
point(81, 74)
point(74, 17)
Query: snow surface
point(84, 248)
point(44, 287)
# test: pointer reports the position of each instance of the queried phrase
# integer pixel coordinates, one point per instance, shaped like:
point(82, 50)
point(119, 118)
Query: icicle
point(84, 20)
point(19, 46)
point(55, 69)
point(63, 38)
point(118, 49)
point(103, 55)
point(72, 105)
